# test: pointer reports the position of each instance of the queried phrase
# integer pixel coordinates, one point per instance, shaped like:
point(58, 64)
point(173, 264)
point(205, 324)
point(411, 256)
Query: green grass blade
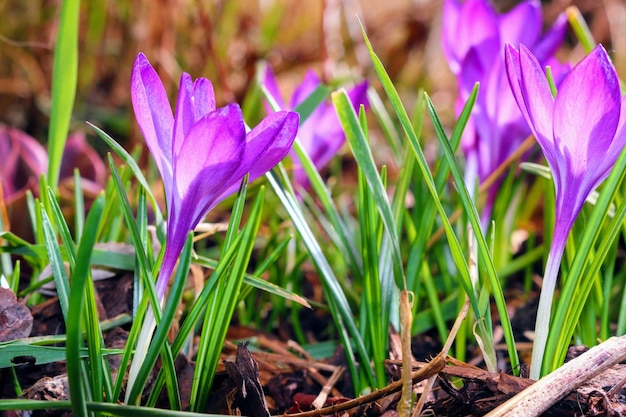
point(132, 165)
point(62, 227)
point(362, 153)
point(484, 254)
point(134, 411)
point(159, 342)
point(317, 184)
point(338, 302)
point(260, 283)
point(64, 76)
point(144, 271)
point(373, 324)
point(220, 309)
point(79, 204)
point(76, 302)
point(61, 279)
point(197, 308)
point(455, 247)
point(19, 404)
point(311, 103)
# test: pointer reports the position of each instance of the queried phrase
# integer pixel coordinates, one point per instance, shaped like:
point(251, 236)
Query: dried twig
point(537, 398)
point(431, 369)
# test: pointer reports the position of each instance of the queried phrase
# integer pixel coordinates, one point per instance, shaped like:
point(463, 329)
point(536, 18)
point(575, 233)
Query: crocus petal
point(216, 138)
point(267, 144)
point(24, 160)
point(195, 100)
point(78, 154)
point(34, 157)
point(153, 114)
point(532, 92)
point(305, 89)
point(451, 13)
point(321, 134)
point(587, 111)
point(473, 37)
point(478, 28)
point(552, 39)
point(522, 25)
point(358, 95)
point(474, 70)
point(269, 81)
point(619, 142)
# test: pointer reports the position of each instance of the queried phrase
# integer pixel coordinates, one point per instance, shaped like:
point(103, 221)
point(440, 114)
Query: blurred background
point(226, 40)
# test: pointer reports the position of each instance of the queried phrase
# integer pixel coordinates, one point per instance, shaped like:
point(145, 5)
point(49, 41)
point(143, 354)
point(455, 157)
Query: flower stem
point(542, 324)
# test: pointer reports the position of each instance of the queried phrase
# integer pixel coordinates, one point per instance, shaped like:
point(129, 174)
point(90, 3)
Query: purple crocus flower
point(202, 152)
point(320, 134)
point(581, 133)
point(24, 160)
point(474, 35)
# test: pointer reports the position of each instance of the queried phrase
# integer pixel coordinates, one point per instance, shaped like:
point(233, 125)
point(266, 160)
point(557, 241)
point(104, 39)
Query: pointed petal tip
point(141, 61)
point(510, 49)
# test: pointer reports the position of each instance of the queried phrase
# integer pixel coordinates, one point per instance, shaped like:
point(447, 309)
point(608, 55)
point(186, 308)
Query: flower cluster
point(202, 152)
point(321, 134)
point(474, 35)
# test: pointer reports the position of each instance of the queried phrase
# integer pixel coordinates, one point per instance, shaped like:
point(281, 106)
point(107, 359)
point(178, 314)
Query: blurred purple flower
point(474, 35)
point(581, 133)
point(202, 152)
point(78, 154)
point(24, 160)
point(320, 134)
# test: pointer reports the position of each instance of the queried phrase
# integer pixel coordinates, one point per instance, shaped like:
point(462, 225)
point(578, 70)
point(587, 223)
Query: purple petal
point(203, 97)
point(532, 92)
point(478, 28)
point(587, 111)
point(451, 16)
point(195, 100)
point(24, 160)
point(217, 138)
point(184, 117)
point(358, 96)
point(552, 39)
point(619, 142)
point(305, 89)
point(153, 114)
point(267, 144)
point(269, 82)
point(78, 154)
point(201, 196)
point(322, 135)
point(522, 25)
point(474, 70)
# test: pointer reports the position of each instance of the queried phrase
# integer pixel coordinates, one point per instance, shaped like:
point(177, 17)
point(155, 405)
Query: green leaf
point(81, 274)
point(17, 352)
point(338, 303)
point(64, 76)
point(312, 102)
point(61, 280)
point(128, 159)
point(360, 148)
point(220, 309)
point(484, 255)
